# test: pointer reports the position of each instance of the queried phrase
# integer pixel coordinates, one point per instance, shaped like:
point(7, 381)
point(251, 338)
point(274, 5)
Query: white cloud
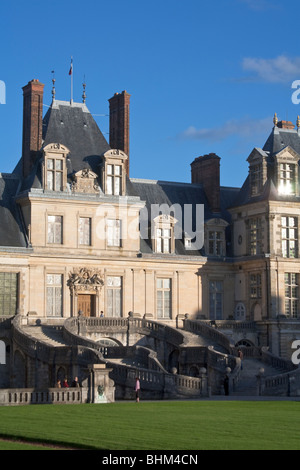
point(281, 69)
point(244, 128)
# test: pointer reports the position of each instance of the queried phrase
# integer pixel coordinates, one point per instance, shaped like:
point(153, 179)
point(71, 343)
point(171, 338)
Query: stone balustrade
point(31, 396)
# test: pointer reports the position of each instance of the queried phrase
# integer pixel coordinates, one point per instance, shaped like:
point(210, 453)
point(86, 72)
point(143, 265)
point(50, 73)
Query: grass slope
point(206, 425)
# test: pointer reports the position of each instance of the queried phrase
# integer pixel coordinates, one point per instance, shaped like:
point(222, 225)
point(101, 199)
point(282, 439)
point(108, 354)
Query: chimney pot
point(206, 171)
point(285, 125)
point(119, 113)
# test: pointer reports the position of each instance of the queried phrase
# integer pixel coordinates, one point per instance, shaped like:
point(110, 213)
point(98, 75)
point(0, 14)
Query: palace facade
point(79, 235)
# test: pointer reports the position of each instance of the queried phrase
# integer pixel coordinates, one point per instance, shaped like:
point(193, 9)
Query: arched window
point(240, 312)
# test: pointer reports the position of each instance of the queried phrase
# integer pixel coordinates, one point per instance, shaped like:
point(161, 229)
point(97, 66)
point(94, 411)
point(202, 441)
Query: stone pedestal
point(102, 388)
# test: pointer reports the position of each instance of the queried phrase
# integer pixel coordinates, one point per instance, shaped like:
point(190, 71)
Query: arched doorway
point(246, 343)
point(174, 360)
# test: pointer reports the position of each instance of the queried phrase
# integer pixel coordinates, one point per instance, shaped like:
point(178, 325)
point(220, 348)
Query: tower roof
point(73, 125)
point(281, 137)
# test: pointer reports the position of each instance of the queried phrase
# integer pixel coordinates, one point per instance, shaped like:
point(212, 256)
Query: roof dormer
point(257, 170)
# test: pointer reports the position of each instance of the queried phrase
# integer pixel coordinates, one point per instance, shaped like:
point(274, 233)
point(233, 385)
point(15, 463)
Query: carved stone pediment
point(56, 147)
point(85, 279)
point(85, 181)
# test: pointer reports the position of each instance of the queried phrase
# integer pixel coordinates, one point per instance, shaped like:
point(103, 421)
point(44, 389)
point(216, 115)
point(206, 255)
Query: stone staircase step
point(47, 334)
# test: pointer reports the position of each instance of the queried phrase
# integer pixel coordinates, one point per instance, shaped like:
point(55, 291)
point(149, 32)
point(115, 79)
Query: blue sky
point(203, 76)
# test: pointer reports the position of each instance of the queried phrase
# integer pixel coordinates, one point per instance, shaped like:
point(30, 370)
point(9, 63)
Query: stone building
point(79, 235)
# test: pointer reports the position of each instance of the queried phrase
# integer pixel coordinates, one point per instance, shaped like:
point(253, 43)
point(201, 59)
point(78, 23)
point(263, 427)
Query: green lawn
point(182, 425)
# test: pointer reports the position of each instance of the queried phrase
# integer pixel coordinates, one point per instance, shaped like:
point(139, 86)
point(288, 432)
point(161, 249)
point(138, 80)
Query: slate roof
point(172, 193)
point(75, 127)
point(11, 228)
point(72, 126)
point(278, 139)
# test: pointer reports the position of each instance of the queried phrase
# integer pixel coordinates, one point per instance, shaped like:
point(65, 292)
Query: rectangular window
point(114, 296)
point(216, 300)
point(291, 284)
point(255, 236)
point(54, 295)
point(164, 298)
point(163, 240)
point(289, 237)
point(215, 243)
point(114, 180)
point(113, 232)
point(8, 294)
point(85, 224)
point(256, 178)
point(55, 229)
point(286, 179)
point(255, 286)
point(54, 174)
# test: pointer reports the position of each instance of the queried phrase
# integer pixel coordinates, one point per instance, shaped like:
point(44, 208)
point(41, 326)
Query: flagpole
point(71, 71)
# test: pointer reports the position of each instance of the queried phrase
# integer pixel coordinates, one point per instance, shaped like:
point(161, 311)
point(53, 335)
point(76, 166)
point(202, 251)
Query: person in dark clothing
point(226, 385)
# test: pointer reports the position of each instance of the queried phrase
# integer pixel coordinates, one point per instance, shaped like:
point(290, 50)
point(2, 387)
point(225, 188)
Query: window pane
point(216, 300)
point(55, 229)
point(50, 164)
point(163, 298)
point(8, 294)
point(84, 231)
point(58, 165)
point(113, 232)
point(58, 181)
point(114, 296)
point(54, 295)
point(117, 191)
point(50, 180)
point(109, 185)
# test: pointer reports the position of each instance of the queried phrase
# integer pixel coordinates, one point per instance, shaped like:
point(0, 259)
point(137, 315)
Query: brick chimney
point(32, 123)
point(119, 110)
point(206, 171)
point(285, 125)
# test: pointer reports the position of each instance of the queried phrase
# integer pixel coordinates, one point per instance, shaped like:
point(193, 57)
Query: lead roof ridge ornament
point(84, 94)
point(53, 87)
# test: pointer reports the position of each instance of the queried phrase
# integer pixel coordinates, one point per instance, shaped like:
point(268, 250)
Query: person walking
point(137, 389)
point(226, 385)
point(241, 356)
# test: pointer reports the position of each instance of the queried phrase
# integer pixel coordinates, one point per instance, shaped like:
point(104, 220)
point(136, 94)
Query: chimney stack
point(206, 171)
point(32, 123)
point(285, 125)
point(119, 107)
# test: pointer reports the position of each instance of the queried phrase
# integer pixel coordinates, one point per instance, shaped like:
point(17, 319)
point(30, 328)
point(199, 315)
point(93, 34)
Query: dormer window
point(114, 173)
point(256, 179)
point(257, 170)
point(215, 240)
point(55, 168)
point(114, 180)
point(163, 236)
point(287, 171)
point(287, 179)
point(55, 174)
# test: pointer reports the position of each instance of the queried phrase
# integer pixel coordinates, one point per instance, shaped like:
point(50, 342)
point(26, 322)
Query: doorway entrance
point(86, 303)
